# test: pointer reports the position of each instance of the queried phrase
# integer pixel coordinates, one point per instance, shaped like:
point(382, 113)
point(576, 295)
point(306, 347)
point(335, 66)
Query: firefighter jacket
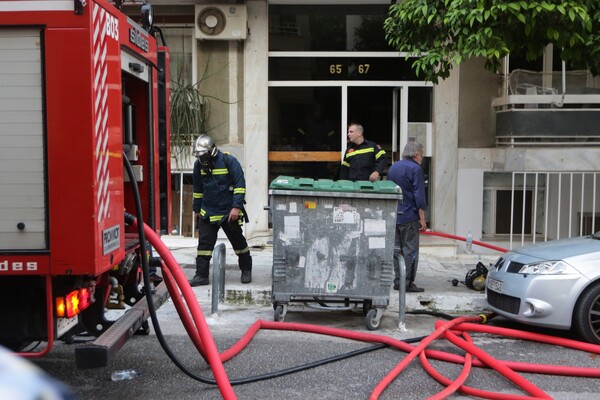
point(360, 160)
point(220, 188)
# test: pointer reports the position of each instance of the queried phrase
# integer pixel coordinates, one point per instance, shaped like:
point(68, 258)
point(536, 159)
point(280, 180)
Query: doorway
point(376, 109)
point(308, 124)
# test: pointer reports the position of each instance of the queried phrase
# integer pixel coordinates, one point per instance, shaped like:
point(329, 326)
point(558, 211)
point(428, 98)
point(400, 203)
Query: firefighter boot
point(201, 277)
point(246, 267)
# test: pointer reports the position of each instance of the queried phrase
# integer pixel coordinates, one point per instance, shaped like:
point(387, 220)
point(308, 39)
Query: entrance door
point(308, 124)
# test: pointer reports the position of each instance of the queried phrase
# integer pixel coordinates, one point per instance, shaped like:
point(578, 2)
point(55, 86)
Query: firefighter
point(363, 160)
point(219, 197)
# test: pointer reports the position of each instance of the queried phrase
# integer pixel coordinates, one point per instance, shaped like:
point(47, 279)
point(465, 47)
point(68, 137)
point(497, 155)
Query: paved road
point(270, 351)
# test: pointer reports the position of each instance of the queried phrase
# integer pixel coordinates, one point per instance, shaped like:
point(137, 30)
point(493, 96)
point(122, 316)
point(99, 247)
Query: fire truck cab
point(83, 90)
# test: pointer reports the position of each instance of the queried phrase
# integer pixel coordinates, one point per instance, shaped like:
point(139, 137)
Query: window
point(180, 41)
point(327, 28)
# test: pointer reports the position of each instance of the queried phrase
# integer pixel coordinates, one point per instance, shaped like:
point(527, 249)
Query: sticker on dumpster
point(377, 243)
point(375, 227)
point(280, 207)
point(345, 214)
point(293, 207)
point(310, 204)
point(330, 287)
point(291, 226)
point(327, 203)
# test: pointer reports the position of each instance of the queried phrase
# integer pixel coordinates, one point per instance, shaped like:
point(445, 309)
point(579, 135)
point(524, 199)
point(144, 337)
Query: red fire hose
point(477, 242)
point(196, 326)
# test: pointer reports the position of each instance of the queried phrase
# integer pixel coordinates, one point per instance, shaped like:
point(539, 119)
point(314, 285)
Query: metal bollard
point(402, 294)
point(218, 278)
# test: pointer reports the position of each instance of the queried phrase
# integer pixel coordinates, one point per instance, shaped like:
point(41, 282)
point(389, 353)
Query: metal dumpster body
point(333, 242)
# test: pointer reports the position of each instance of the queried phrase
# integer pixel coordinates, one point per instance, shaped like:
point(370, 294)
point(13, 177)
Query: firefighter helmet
point(205, 147)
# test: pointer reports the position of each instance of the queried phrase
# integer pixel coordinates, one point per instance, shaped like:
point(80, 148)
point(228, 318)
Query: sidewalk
point(438, 266)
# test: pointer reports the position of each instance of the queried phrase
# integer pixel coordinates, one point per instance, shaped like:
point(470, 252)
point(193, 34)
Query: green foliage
point(442, 33)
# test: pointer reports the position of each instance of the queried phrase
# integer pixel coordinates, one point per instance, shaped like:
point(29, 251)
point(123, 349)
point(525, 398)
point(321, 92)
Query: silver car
point(554, 284)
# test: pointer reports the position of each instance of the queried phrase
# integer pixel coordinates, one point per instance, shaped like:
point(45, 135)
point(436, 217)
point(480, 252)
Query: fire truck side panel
point(84, 146)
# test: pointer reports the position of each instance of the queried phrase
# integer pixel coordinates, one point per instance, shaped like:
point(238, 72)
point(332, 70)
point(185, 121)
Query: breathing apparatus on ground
point(475, 278)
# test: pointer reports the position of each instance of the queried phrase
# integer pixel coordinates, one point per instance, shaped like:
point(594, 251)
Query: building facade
point(511, 156)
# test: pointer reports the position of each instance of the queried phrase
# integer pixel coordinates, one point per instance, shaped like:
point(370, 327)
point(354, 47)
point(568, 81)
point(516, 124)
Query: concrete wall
point(444, 163)
point(476, 116)
point(256, 113)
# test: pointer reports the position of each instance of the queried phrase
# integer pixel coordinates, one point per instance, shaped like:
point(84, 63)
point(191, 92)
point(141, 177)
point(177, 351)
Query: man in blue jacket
point(219, 198)
point(408, 174)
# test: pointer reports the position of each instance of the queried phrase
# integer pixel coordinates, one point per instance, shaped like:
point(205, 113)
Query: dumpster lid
point(328, 185)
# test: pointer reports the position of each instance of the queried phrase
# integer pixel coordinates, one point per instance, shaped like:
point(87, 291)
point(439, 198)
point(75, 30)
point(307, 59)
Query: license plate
point(494, 285)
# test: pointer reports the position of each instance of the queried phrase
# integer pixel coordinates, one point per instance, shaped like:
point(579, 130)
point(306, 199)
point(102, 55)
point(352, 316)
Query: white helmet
point(204, 148)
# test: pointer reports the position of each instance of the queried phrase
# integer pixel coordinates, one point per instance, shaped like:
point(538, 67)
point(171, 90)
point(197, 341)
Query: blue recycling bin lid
point(328, 185)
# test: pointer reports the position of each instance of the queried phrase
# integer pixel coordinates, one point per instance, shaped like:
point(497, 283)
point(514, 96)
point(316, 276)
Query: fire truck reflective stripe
point(60, 5)
point(99, 16)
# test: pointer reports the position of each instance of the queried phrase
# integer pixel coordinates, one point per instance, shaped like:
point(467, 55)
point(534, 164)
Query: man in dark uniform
point(363, 160)
point(219, 197)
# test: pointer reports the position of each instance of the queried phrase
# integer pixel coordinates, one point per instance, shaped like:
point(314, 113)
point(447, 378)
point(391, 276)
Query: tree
point(442, 33)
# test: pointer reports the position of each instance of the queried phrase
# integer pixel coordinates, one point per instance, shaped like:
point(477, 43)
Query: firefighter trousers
point(207, 238)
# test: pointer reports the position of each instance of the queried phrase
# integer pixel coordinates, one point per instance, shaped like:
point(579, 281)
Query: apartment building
point(511, 156)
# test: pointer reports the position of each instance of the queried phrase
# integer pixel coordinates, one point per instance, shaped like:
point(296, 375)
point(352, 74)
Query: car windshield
point(596, 235)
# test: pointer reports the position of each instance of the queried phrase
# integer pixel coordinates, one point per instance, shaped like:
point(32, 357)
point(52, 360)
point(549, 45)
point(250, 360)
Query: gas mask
point(205, 161)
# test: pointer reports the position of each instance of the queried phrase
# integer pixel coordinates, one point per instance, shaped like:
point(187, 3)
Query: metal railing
point(563, 205)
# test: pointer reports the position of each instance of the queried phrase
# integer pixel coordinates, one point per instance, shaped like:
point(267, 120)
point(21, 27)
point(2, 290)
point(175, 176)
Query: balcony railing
point(548, 109)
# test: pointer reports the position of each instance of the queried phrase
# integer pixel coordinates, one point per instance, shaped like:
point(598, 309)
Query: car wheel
point(586, 318)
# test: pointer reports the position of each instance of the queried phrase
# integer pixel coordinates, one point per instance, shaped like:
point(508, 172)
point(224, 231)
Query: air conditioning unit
point(221, 21)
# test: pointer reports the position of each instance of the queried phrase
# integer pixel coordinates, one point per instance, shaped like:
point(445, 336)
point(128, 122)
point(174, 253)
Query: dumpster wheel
point(373, 318)
point(280, 311)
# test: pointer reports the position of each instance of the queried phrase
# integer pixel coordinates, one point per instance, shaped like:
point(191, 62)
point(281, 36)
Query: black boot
point(198, 280)
point(201, 276)
point(246, 276)
point(245, 261)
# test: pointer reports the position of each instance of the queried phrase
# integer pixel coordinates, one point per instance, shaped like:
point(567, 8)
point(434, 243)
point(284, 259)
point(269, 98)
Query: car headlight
point(548, 268)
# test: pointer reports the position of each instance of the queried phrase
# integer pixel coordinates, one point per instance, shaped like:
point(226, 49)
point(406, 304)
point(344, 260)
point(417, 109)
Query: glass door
point(377, 110)
point(304, 131)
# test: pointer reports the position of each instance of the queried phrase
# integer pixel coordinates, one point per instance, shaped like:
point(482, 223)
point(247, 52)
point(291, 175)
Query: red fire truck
point(84, 98)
